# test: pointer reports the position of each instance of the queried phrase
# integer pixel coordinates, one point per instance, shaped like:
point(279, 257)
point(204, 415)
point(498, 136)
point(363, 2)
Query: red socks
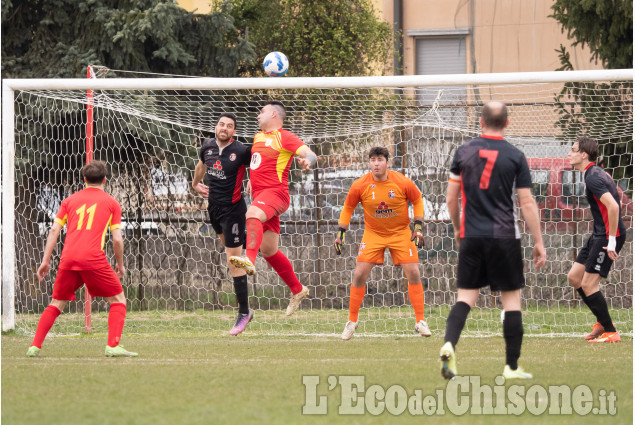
point(116, 317)
point(254, 238)
point(282, 266)
point(415, 293)
point(45, 324)
point(357, 297)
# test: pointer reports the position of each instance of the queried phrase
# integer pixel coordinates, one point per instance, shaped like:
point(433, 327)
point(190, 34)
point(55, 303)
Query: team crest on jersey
point(391, 194)
point(362, 245)
point(383, 211)
point(372, 186)
point(232, 157)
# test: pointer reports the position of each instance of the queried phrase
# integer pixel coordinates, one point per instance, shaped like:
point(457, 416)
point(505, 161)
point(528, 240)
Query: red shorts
point(99, 283)
point(273, 202)
point(402, 249)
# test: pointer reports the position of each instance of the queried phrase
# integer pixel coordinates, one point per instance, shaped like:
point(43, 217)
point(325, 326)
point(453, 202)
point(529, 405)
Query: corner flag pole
point(89, 157)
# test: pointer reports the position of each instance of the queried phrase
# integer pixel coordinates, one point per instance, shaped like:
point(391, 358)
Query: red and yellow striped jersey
point(271, 156)
point(87, 214)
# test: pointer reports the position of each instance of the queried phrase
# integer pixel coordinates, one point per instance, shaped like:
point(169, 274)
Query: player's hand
point(610, 248)
point(417, 235)
point(202, 189)
point(43, 271)
point(540, 255)
point(248, 188)
point(339, 240)
point(304, 163)
point(457, 237)
point(120, 270)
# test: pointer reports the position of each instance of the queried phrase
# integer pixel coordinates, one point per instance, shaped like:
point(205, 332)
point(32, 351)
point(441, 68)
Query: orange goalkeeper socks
point(357, 297)
point(415, 293)
point(45, 324)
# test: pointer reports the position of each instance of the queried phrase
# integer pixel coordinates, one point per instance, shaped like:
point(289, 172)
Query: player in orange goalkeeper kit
point(384, 195)
point(87, 214)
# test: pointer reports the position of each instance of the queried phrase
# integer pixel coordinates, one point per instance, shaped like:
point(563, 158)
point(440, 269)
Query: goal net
point(149, 131)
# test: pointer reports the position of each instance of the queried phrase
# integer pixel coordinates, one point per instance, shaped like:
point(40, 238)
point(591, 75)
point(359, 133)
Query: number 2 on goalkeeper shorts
point(491, 156)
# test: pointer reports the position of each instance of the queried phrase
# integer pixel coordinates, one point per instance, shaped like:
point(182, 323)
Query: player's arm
point(48, 250)
point(417, 206)
point(613, 212)
point(199, 174)
point(308, 158)
point(529, 209)
point(452, 199)
point(352, 199)
point(117, 246)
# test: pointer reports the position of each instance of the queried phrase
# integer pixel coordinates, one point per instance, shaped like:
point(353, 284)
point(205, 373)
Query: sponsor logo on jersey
point(391, 194)
point(218, 165)
point(383, 211)
point(232, 157)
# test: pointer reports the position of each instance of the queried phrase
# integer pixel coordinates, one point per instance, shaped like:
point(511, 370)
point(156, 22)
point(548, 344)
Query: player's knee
point(574, 279)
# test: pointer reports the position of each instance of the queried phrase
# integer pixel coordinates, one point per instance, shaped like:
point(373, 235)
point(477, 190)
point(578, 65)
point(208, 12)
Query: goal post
point(149, 131)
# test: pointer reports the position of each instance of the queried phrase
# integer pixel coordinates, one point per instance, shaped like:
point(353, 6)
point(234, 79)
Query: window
point(540, 179)
point(573, 188)
point(440, 55)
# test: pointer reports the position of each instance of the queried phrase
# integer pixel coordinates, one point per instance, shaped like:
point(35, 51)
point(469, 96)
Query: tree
point(59, 38)
point(320, 38)
point(606, 27)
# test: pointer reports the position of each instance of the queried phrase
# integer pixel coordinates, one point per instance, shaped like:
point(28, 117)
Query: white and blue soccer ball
point(276, 64)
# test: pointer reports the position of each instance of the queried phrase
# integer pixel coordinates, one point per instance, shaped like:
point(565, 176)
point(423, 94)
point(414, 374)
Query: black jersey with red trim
point(225, 170)
point(490, 169)
point(598, 182)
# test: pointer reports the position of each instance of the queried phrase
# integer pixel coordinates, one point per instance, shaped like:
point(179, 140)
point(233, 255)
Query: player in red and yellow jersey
point(88, 214)
point(271, 156)
point(384, 195)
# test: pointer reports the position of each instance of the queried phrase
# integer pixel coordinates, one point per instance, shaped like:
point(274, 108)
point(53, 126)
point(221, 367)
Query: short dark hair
point(282, 113)
point(379, 151)
point(588, 146)
point(95, 172)
point(494, 118)
point(228, 115)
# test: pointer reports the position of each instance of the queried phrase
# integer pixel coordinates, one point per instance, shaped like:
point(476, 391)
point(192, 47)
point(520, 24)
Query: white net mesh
point(176, 271)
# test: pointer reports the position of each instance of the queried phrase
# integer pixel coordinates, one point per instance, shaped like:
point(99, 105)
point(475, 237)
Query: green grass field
point(216, 379)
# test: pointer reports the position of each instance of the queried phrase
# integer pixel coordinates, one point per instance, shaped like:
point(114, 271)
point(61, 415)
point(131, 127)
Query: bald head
point(494, 115)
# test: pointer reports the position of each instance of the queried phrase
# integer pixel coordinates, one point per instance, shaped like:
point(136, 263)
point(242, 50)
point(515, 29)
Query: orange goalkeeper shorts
point(402, 249)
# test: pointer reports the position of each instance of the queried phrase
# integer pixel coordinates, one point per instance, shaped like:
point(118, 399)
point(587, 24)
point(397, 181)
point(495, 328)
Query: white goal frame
point(9, 86)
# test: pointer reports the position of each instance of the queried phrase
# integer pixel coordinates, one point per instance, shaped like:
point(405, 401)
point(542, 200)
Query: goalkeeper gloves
point(339, 240)
point(417, 234)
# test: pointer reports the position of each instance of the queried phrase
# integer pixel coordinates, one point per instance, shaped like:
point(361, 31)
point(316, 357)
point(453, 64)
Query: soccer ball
point(275, 64)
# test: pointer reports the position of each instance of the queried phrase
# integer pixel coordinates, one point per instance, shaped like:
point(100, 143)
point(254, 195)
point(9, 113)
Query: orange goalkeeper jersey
point(385, 203)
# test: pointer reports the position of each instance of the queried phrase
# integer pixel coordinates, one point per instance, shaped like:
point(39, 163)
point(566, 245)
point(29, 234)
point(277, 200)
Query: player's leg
point(281, 264)
point(404, 253)
point(255, 216)
point(358, 290)
point(66, 283)
point(513, 333)
point(597, 266)
point(574, 277)
point(241, 289)
point(104, 283)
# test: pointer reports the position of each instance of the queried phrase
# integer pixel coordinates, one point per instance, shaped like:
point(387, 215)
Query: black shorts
point(488, 261)
point(229, 220)
point(594, 256)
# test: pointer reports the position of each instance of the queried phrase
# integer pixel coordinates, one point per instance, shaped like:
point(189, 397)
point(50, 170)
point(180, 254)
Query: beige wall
point(201, 6)
point(509, 35)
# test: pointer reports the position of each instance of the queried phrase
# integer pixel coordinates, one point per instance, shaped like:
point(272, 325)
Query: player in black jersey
point(485, 173)
point(603, 246)
point(224, 160)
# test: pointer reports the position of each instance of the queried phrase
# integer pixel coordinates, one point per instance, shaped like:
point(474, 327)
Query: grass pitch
point(218, 379)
